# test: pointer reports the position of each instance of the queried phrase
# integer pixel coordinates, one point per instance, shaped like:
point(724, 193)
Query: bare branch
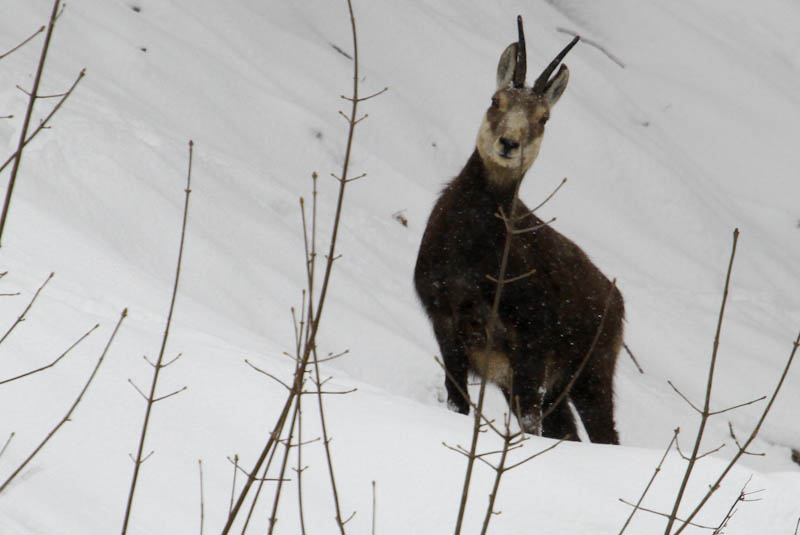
point(28, 114)
point(545, 201)
point(43, 123)
point(652, 478)
point(743, 448)
point(179, 355)
point(238, 467)
point(535, 227)
point(23, 43)
point(762, 398)
point(742, 497)
point(61, 356)
point(349, 518)
point(31, 95)
point(512, 279)
point(3, 450)
point(315, 312)
point(362, 99)
point(373, 507)
point(630, 354)
point(699, 456)
point(692, 405)
point(460, 450)
point(135, 461)
point(538, 453)
point(646, 510)
point(256, 368)
point(67, 416)
point(235, 462)
point(334, 357)
point(21, 317)
point(705, 411)
point(156, 400)
point(202, 497)
point(144, 396)
point(736, 440)
point(151, 399)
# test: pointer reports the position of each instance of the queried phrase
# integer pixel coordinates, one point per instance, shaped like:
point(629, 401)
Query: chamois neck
point(479, 175)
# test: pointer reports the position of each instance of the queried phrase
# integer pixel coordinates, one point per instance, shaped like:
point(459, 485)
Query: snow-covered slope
point(694, 136)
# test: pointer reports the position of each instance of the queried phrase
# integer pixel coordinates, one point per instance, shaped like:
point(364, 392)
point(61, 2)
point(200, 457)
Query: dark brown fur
point(546, 321)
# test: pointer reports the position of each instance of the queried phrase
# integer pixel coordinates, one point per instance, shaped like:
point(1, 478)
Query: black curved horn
point(541, 82)
point(522, 64)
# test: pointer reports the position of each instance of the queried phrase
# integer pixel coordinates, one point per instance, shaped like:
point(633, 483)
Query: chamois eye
point(495, 102)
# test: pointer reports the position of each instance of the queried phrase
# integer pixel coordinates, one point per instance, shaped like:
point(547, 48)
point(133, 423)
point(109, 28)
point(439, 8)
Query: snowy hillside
point(680, 129)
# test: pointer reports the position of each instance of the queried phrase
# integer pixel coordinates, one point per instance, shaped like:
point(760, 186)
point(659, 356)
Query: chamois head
point(512, 129)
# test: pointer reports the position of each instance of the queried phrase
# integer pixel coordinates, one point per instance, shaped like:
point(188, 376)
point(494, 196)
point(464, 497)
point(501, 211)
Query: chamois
point(555, 301)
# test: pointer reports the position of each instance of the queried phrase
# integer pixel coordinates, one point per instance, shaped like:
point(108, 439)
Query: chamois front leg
point(455, 363)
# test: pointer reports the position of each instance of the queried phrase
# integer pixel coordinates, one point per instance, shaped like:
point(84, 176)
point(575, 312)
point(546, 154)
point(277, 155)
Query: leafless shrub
point(306, 327)
point(673, 520)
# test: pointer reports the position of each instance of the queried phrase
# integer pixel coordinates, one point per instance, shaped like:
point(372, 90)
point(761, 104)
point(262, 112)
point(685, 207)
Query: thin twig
point(235, 462)
point(649, 483)
point(374, 508)
point(274, 516)
point(499, 471)
point(72, 408)
point(151, 399)
point(537, 454)
point(43, 123)
point(300, 468)
point(659, 513)
point(326, 442)
point(61, 356)
point(545, 201)
point(256, 368)
point(23, 43)
point(202, 497)
point(630, 354)
point(21, 317)
point(699, 456)
point(738, 445)
point(3, 450)
point(742, 497)
point(740, 405)
point(512, 279)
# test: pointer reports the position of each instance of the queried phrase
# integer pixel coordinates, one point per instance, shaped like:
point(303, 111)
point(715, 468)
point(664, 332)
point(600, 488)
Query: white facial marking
point(505, 141)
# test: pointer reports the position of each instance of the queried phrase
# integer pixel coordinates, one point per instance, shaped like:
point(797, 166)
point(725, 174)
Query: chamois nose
point(508, 145)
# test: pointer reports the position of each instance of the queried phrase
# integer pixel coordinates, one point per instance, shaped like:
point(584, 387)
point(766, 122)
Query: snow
point(696, 135)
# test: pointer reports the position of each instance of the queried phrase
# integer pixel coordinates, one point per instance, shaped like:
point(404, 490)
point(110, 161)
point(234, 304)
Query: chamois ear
point(557, 85)
point(506, 66)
